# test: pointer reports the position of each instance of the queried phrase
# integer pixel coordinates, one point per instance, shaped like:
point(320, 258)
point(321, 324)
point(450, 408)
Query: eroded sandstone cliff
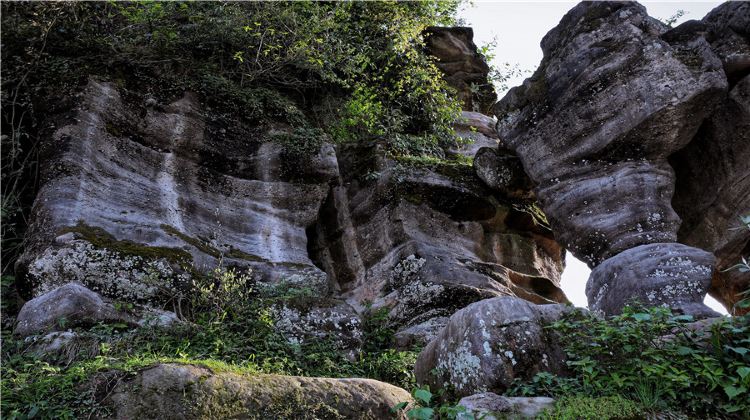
point(142, 194)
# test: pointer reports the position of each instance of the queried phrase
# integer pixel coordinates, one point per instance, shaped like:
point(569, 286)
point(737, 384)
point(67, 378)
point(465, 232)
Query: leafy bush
point(428, 407)
point(660, 361)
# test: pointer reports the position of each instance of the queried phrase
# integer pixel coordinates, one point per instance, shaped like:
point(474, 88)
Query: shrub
point(588, 408)
point(660, 361)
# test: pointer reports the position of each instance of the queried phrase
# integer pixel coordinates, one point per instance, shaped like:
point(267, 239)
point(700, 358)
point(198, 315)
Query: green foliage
point(655, 359)
point(350, 70)
point(231, 328)
point(301, 142)
point(670, 21)
point(256, 56)
point(596, 408)
point(427, 407)
point(743, 304)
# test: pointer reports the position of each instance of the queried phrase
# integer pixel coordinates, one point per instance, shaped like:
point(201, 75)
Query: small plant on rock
point(427, 407)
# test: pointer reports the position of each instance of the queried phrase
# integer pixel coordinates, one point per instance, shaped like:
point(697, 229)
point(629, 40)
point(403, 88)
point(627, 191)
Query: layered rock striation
point(463, 67)
point(141, 195)
point(425, 241)
point(712, 193)
point(616, 95)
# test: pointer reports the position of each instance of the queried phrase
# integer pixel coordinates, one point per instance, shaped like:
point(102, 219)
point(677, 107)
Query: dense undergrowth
point(230, 328)
point(656, 361)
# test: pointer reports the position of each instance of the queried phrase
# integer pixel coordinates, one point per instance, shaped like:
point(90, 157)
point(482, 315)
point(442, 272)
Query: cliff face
point(712, 191)
point(198, 251)
point(141, 194)
point(620, 111)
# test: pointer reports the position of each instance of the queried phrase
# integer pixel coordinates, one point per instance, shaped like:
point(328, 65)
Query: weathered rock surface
point(477, 131)
point(713, 191)
point(141, 194)
point(615, 95)
point(68, 306)
point(314, 318)
point(73, 305)
point(425, 241)
point(488, 344)
point(656, 274)
point(133, 194)
point(502, 170)
point(463, 67)
point(490, 406)
point(191, 392)
point(727, 29)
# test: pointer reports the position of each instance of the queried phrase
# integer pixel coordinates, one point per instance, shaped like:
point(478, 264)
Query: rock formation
point(615, 96)
point(127, 200)
point(140, 195)
point(428, 241)
point(193, 392)
point(66, 307)
point(490, 406)
point(489, 344)
point(712, 194)
point(464, 68)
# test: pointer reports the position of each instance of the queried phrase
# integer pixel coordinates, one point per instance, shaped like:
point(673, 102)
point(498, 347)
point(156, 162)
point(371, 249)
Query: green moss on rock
point(100, 238)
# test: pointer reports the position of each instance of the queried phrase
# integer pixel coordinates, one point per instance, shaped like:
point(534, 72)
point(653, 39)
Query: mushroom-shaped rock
point(614, 97)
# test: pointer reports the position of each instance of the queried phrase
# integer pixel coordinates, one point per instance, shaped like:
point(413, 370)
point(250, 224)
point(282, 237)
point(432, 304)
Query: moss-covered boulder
point(190, 392)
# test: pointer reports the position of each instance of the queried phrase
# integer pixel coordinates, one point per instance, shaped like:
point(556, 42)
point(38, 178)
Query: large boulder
point(191, 392)
point(68, 306)
point(489, 344)
point(655, 275)
point(614, 97)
